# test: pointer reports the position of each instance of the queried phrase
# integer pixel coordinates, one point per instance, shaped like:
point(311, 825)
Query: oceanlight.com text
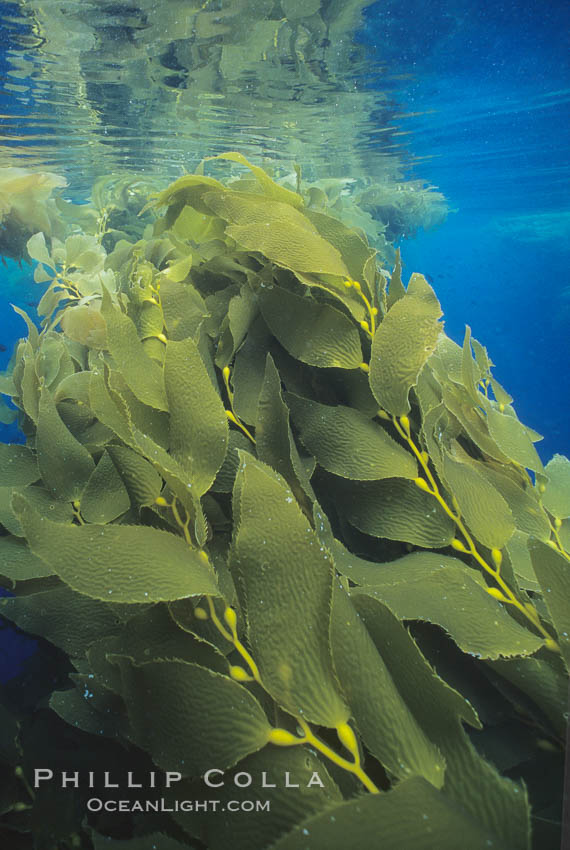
point(96, 804)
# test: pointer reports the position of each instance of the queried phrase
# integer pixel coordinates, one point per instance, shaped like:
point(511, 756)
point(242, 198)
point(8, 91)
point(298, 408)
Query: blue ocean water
point(492, 85)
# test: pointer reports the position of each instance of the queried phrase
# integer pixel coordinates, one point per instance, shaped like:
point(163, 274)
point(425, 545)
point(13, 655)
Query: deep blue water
point(493, 83)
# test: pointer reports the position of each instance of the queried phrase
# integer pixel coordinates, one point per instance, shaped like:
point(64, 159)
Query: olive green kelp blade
point(279, 231)
point(346, 442)
point(414, 815)
point(269, 187)
point(188, 717)
point(126, 563)
point(198, 421)
point(69, 620)
point(442, 590)
point(553, 573)
point(18, 465)
point(105, 497)
point(244, 829)
point(284, 577)
point(388, 728)
point(17, 563)
point(64, 463)
point(474, 786)
point(556, 498)
point(485, 511)
point(274, 440)
point(142, 374)
point(314, 333)
point(396, 509)
point(403, 342)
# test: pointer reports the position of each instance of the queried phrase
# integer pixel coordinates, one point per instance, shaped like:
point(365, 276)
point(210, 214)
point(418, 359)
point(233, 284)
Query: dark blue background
point(493, 79)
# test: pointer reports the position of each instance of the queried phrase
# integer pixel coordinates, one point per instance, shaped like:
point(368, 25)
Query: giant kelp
point(276, 522)
point(26, 207)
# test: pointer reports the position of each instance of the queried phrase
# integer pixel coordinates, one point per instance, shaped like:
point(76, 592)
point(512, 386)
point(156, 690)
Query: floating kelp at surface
point(198, 76)
point(26, 207)
point(115, 212)
point(169, 83)
point(291, 528)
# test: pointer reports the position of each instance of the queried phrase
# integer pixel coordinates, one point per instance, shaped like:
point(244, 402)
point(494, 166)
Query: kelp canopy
point(272, 521)
point(153, 86)
point(157, 84)
point(26, 207)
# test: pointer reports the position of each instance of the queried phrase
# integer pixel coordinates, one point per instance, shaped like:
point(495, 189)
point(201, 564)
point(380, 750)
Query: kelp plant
point(276, 524)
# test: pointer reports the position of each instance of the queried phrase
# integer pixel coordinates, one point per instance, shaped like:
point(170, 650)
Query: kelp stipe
point(280, 526)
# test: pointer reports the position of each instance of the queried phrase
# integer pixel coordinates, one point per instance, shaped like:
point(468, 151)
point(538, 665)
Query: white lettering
point(108, 783)
point(243, 783)
point(70, 779)
point(287, 783)
point(265, 783)
point(315, 780)
point(130, 783)
point(41, 774)
point(172, 776)
point(209, 773)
